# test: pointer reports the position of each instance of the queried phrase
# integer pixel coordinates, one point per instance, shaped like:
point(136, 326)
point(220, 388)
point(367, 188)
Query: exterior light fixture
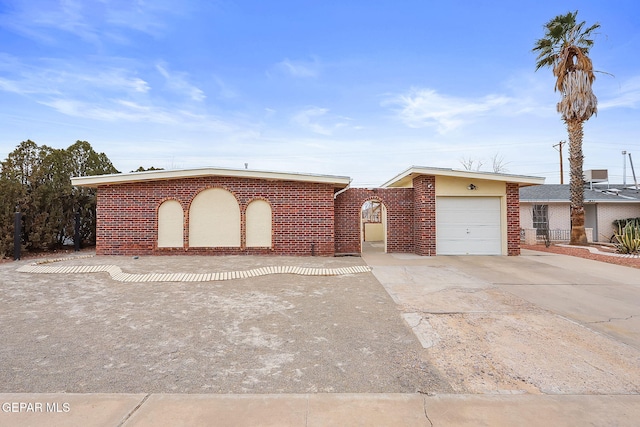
point(471, 187)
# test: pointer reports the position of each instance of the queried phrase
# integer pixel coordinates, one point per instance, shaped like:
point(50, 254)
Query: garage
point(468, 226)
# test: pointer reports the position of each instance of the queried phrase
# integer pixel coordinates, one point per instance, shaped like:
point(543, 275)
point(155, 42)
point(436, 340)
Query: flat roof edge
point(523, 180)
point(162, 175)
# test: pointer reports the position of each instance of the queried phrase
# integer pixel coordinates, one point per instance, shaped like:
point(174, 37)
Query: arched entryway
point(373, 226)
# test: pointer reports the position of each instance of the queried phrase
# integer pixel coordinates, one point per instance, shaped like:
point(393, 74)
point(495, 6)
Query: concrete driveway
point(538, 323)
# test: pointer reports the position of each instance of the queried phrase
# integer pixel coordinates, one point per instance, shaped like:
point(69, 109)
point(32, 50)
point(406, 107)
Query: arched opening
point(373, 226)
point(214, 219)
point(170, 224)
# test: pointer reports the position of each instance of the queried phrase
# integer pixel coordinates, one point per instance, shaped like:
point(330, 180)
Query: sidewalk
point(310, 410)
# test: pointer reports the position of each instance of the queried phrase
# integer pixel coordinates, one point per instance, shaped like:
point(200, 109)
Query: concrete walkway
point(549, 282)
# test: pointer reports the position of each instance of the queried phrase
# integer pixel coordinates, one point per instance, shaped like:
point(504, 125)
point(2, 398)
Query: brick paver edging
point(117, 274)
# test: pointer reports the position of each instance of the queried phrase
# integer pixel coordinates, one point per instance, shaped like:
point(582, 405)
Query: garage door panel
point(467, 247)
point(468, 225)
point(472, 232)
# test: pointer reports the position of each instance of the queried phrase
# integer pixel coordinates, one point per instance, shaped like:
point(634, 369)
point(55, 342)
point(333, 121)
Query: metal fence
point(543, 234)
point(559, 235)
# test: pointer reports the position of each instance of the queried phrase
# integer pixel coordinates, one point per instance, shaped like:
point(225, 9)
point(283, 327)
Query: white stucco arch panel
point(259, 217)
point(170, 224)
point(214, 219)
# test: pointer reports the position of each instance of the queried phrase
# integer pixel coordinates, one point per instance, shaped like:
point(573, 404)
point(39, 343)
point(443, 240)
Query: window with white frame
point(541, 219)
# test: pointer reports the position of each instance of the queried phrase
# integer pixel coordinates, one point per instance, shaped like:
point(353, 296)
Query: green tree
point(84, 161)
point(565, 48)
point(37, 179)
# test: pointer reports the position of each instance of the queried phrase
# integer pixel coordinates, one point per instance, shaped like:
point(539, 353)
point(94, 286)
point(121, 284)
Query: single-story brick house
point(547, 207)
point(427, 211)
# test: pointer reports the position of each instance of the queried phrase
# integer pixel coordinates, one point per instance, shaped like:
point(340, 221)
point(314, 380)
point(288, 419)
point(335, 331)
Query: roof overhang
point(586, 200)
point(160, 175)
point(406, 177)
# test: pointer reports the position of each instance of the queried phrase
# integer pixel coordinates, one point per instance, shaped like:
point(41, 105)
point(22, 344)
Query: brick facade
point(398, 203)
point(306, 219)
point(424, 207)
point(513, 219)
point(303, 215)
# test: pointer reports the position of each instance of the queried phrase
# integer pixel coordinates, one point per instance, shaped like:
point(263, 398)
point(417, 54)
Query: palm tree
point(565, 47)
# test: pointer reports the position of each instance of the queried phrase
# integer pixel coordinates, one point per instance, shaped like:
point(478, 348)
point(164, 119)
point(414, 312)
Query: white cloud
point(627, 96)
point(303, 69)
point(318, 120)
point(308, 118)
point(225, 92)
point(120, 110)
point(53, 78)
point(179, 84)
point(427, 108)
point(89, 20)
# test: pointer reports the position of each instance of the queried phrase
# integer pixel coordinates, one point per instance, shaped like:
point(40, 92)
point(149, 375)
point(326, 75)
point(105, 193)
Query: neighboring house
point(547, 206)
point(427, 211)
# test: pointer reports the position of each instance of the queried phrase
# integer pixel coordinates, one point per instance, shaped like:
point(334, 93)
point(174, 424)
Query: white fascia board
point(414, 171)
point(159, 175)
point(596, 201)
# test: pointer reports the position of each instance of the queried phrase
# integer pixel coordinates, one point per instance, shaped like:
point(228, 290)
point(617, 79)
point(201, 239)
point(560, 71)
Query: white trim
point(405, 177)
point(122, 178)
point(587, 201)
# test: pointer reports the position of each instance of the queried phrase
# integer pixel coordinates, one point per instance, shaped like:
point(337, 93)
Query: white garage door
point(468, 226)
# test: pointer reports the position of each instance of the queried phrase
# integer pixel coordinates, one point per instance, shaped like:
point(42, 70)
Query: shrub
point(628, 237)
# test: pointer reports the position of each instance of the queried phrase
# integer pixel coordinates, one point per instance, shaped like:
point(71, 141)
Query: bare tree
point(470, 164)
point(498, 164)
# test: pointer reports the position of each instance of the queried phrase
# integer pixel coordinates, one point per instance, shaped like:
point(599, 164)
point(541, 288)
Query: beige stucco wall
point(453, 186)
point(170, 225)
point(259, 224)
point(384, 226)
point(214, 219)
point(373, 231)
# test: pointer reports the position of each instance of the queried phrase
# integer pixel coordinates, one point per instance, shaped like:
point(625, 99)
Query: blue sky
point(357, 88)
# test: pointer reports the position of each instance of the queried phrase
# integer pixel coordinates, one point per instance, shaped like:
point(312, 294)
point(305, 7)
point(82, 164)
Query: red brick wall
point(303, 215)
point(513, 219)
point(399, 206)
point(424, 201)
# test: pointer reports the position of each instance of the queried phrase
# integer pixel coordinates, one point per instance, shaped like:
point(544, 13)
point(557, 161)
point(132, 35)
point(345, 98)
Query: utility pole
point(559, 145)
point(624, 168)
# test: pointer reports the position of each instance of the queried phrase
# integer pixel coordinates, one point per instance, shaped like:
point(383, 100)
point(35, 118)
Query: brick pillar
point(424, 205)
point(513, 219)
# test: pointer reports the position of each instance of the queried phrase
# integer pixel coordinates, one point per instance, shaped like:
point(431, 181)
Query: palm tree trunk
point(576, 182)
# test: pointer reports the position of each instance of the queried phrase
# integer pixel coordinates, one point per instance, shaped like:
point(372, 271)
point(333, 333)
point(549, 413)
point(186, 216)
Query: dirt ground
point(82, 333)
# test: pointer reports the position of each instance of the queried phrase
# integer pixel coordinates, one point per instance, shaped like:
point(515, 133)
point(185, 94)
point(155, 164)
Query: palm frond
point(560, 32)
